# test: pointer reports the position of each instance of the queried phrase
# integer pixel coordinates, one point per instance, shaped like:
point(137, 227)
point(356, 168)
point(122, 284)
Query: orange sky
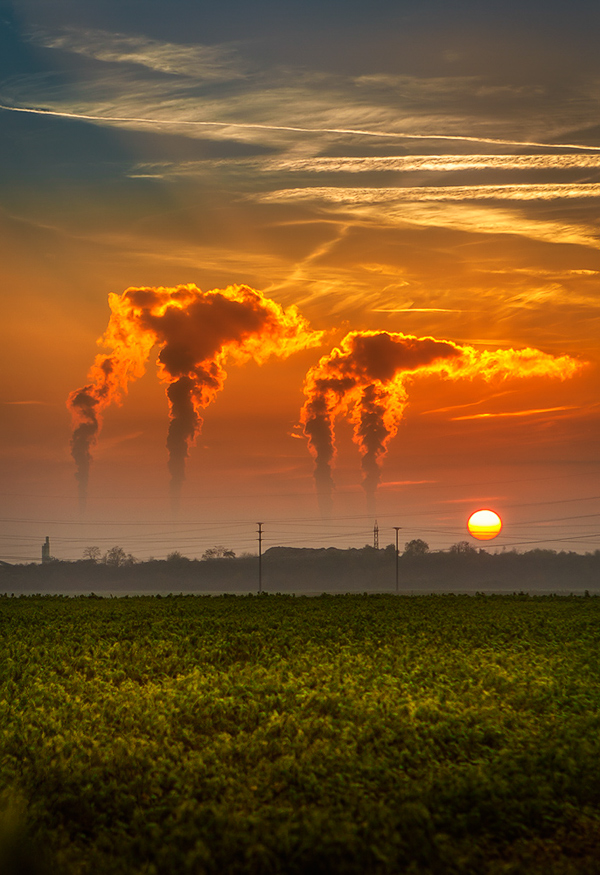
point(447, 197)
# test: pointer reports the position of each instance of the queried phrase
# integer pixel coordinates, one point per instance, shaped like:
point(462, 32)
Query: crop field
point(340, 734)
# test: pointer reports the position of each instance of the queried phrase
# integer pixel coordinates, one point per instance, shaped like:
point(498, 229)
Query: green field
point(340, 734)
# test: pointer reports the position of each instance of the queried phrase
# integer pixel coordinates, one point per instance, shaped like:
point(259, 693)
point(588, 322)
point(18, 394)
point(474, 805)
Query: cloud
point(414, 310)
point(545, 272)
point(216, 63)
point(388, 484)
point(423, 87)
point(469, 404)
point(476, 500)
point(509, 413)
point(433, 163)
point(29, 403)
point(295, 108)
point(176, 114)
point(368, 207)
point(522, 192)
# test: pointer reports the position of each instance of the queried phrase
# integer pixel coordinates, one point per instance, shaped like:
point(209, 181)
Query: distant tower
point(46, 551)
point(376, 536)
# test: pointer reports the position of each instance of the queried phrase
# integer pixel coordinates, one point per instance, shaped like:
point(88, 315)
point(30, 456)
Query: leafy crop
point(340, 734)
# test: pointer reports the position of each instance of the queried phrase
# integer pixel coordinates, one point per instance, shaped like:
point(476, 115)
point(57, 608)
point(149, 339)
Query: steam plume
point(197, 333)
point(365, 378)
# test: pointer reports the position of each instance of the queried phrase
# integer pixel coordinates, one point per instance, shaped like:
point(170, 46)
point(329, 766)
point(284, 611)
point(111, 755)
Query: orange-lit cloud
point(414, 310)
point(517, 192)
point(366, 378)
point(28, 403)
point(197, 334)
point(435, 163)
point(535, 411)
point(389, 208)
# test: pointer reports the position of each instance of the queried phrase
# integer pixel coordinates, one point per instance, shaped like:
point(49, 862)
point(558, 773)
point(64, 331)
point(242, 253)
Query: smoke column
point(365, 379)
point(197, 334)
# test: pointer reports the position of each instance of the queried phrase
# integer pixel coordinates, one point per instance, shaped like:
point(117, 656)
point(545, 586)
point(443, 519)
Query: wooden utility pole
point(260, 525)
point(397, 529)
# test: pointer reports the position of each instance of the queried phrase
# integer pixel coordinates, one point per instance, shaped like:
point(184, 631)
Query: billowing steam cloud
point(197, 333)
point(366, 378)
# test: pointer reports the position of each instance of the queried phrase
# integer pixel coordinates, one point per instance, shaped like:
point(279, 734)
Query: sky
point(418, 180)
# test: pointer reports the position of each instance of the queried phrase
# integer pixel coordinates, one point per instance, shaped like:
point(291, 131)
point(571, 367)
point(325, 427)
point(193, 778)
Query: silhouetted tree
point(416, 547)
point(92, 553)
point(176, 556)
point(463, 548)
point(117, 557)
point(218, 552)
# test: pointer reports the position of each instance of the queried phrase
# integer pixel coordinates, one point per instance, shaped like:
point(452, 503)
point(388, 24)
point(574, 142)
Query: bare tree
point(92, 553)
point(117, 556)
point(463, 548)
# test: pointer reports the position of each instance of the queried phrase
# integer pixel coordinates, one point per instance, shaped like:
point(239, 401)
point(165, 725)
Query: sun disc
point(484, 525)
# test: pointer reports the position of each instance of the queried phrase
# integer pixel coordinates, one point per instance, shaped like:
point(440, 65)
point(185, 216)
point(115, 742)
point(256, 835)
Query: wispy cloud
point(477, 500)
point(578, 273)
point(166, 85)
point(468, 404)
point(509, 413)
point(438, 193)
point(553, 292)
point(109, 444)
point(389, 484)
point(412, 87)
point(178, 120)
point(366, 207)
point(434, 163)
point(217, 63)
point(29, 403)
point(414, 310)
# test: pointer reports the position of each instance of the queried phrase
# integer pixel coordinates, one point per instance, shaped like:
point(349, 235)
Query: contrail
point(366, 379)
point(197, 334)
point(433, 193)
point(299, 130)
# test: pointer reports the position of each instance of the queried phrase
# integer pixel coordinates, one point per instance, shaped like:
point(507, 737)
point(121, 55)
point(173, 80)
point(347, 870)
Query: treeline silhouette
point(291, 569)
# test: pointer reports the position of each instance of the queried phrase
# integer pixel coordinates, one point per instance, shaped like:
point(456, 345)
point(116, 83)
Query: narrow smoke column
point(365, 379)
point(197, 334)
point(108, 378)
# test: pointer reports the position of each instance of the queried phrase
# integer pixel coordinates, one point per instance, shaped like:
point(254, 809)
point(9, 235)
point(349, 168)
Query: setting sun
point(484, 525)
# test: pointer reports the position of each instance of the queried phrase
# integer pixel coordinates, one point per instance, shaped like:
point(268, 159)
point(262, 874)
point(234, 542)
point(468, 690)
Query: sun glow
point(484, 525)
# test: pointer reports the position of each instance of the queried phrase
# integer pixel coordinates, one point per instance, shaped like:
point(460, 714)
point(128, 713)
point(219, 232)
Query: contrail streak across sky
point(300, 130)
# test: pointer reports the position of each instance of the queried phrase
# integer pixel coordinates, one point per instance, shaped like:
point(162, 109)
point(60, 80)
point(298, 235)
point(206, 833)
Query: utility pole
point(260, 525)
point(376, 536)
point(397, 529)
